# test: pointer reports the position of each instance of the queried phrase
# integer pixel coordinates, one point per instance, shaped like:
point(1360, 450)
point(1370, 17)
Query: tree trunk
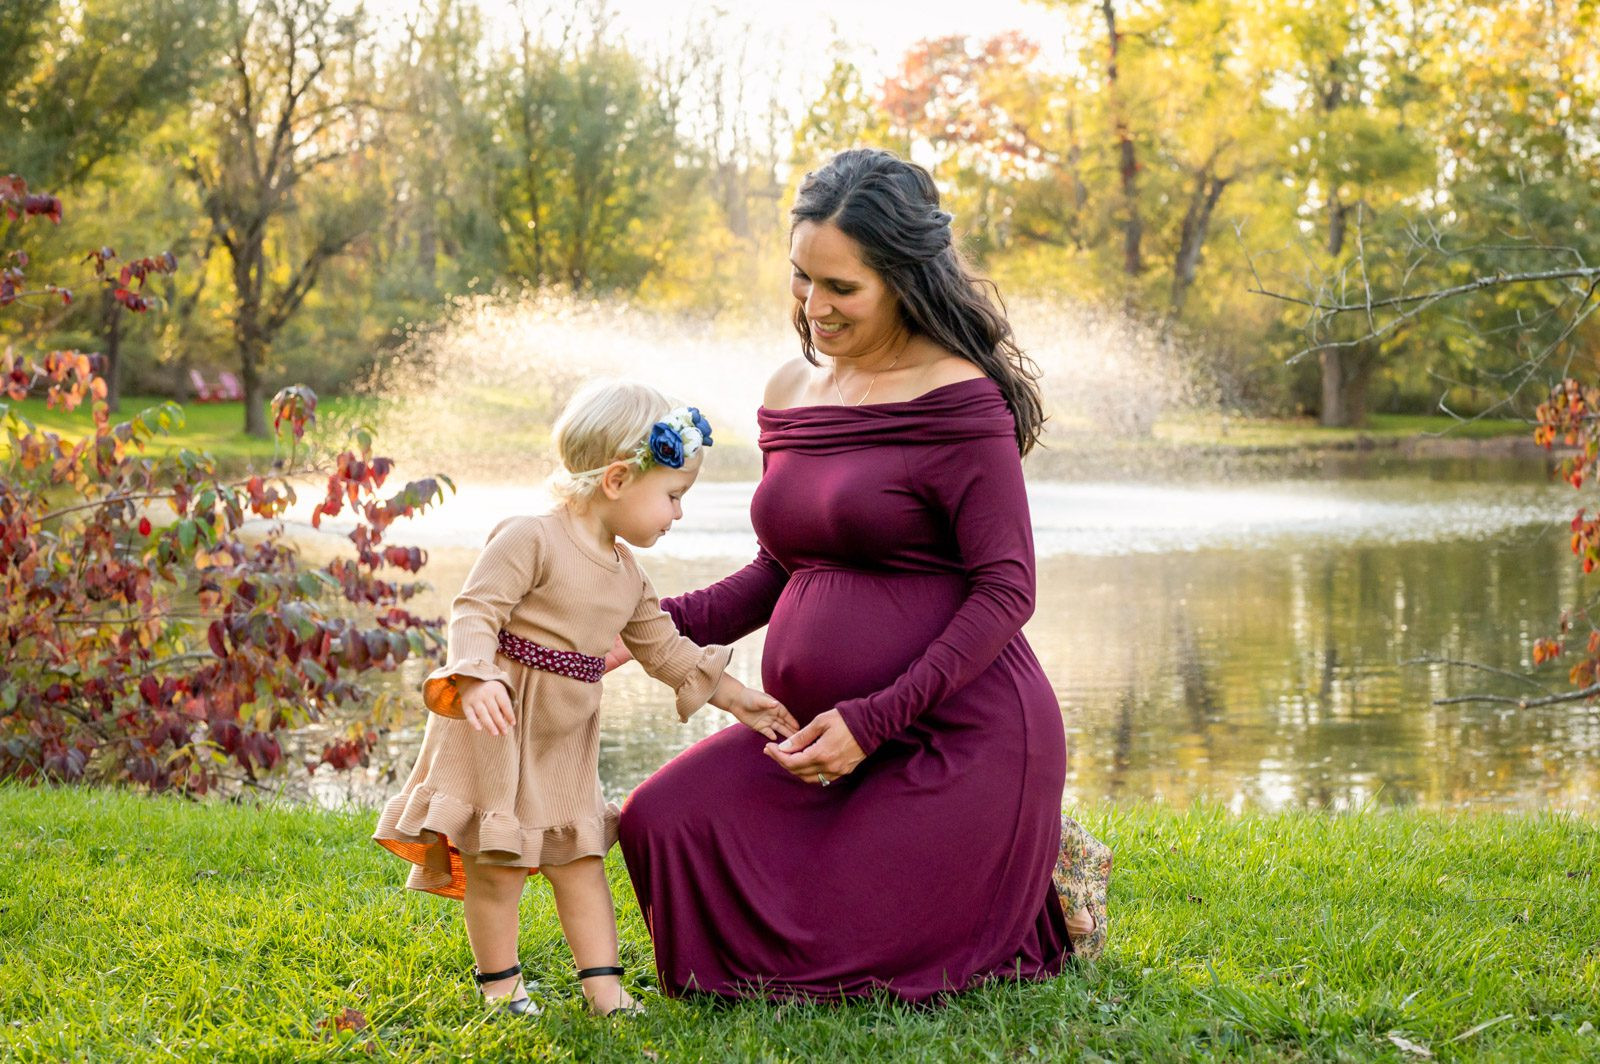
point(1332, 414)
point(111, 319)
point(530, 181)
point(428, 246)
point(251, 349)
point(1344, 369)
point(1338, 217)
point(1080, 191)
point(732, 181)
point(1346, 374)
point(1196, 225)
point(249, 338)
point(1127, 159)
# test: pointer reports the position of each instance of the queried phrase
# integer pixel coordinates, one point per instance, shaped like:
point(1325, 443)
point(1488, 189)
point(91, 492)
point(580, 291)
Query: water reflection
point(1273, 677)
point(1241, 644)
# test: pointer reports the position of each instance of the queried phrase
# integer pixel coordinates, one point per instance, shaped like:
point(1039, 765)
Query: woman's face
point(851, 310)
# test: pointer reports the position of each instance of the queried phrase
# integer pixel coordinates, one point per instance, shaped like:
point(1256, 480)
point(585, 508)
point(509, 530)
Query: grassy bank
point(215, 428)
point(155, 929)
point(1215, 430)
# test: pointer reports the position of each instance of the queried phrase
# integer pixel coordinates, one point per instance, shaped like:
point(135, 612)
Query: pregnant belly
point(839, 634)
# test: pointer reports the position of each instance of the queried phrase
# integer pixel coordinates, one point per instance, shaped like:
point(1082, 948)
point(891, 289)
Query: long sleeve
point(734, 606)
point(502, 575)
point(692, 671)
point(980, 486)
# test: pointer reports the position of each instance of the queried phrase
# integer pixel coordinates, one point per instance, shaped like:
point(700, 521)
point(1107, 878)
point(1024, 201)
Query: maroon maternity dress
point(896, 570)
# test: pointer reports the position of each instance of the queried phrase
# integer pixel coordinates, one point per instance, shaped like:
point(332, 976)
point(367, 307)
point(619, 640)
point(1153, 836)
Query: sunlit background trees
point(332, 177)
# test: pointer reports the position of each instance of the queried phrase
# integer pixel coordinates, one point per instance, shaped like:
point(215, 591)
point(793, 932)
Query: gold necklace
point(833, 375)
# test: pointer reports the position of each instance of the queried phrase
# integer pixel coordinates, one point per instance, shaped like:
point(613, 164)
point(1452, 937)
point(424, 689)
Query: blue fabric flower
point(666, 446)
point(702, 424)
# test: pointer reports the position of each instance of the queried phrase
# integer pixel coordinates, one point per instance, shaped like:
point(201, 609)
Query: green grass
point(148, 929)
point(215, 428)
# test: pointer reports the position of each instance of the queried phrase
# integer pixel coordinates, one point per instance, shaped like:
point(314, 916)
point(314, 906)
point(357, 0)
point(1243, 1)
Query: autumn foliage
point(156, 627)
point(1568, 418)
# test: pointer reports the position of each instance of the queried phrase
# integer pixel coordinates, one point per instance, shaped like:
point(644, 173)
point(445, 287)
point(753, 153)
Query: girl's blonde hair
point(603, 423)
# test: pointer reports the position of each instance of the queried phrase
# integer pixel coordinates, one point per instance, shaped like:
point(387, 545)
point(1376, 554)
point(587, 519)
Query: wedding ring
point(822, 779)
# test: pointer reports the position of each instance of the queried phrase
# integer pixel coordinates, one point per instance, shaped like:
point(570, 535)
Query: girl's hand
point(486, 704)
point(756, 710)
point(822, 751)
point(619, 654)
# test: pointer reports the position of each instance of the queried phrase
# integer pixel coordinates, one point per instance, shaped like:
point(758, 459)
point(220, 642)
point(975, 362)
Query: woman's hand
point(486, 704)
point(820, 752)
point(619, 654)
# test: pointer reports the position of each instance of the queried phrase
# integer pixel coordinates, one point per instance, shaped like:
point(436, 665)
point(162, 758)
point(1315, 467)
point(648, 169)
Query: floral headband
point(670, 442)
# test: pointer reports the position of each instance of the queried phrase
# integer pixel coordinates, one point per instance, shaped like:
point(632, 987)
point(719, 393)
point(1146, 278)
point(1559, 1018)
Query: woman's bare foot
point(1080, 923)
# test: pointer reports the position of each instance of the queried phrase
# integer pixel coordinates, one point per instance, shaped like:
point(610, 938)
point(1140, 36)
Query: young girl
point(507, 783)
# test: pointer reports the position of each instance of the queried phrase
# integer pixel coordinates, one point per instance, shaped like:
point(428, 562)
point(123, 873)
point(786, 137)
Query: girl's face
point(850, 309)
point(646, 506)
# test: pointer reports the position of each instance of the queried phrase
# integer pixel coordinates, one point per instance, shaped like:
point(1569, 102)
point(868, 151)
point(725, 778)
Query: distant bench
point(227, 389)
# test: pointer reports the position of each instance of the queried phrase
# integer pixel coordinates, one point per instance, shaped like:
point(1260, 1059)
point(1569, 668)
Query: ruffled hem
point(432, 830)
point(439, 691)
point(698, 686)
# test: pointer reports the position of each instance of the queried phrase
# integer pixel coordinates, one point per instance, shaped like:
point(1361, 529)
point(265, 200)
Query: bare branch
point(1477, 665)
point(1581, 695)
point(1588, 273)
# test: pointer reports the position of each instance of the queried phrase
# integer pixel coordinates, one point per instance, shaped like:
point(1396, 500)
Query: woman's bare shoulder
point(948, 369)
point(787, 384)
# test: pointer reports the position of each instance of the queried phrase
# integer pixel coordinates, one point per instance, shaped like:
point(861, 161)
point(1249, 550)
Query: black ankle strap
point(590, 973)
point(494, 977)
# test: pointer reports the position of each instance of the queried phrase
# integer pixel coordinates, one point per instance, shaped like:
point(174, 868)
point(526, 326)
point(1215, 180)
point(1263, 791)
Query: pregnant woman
point(904, 839)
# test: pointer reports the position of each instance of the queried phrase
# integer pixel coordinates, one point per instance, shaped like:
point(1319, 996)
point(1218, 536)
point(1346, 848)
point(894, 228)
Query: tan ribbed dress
point(532, 796)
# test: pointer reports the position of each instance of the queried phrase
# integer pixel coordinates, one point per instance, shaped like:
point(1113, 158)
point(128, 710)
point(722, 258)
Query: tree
point(436, 128)
point(1360, 73)
point(594, 185)
point(284, 180)
point(110, 71)
point(843, 115)
point(72, 112)
point(983, 114)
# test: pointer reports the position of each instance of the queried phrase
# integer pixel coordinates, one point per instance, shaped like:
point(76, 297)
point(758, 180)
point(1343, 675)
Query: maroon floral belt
point(569, 663)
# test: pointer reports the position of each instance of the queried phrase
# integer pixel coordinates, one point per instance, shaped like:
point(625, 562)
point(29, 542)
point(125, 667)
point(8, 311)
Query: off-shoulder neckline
point(764, 409)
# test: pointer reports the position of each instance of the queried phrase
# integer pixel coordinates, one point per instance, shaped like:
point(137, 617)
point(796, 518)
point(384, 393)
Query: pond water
point(1251, 642)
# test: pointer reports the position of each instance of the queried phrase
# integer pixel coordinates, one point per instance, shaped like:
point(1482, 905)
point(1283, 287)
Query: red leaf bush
point(149, 635)
point(1570, 416)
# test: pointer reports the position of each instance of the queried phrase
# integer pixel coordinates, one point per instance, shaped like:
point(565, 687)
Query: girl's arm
point(511, 562)
point(693, 671)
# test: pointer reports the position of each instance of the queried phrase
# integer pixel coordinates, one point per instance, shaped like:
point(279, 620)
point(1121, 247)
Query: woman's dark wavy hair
point(890, 207)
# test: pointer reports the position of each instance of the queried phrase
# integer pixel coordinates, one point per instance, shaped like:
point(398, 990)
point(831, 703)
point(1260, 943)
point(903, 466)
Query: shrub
point(150, 634)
